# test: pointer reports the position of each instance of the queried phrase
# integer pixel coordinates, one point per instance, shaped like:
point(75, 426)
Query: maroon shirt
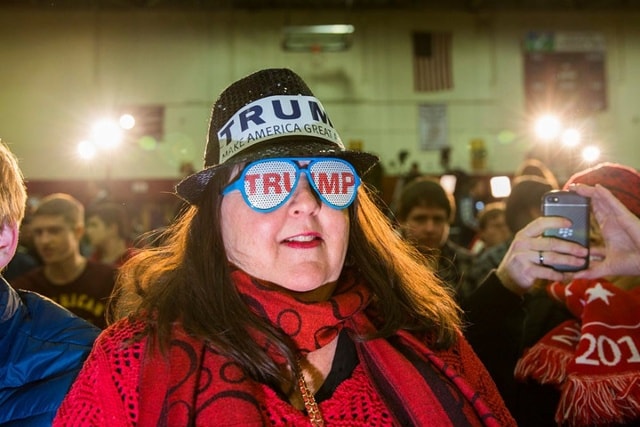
point(86, 296)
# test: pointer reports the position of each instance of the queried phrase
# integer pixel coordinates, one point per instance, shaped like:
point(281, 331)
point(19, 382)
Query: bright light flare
point(571, 137)
point(87, 150)
point(106, 134)
point(547, 127)
point(500, 186)
point(127, 121)
point(591, 154)
point(448, 182)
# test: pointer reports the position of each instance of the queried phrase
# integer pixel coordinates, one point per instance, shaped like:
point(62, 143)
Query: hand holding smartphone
point(577, 208)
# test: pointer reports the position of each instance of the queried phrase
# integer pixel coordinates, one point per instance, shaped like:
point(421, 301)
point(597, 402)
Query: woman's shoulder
point(125, 325)
point(124, 335)
point(127, 333)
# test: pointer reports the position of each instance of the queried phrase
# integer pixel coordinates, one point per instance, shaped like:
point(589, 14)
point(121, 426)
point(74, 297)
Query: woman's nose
point(304, 198)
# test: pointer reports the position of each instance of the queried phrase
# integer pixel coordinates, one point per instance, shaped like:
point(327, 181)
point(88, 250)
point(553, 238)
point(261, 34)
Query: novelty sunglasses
point(267, 184)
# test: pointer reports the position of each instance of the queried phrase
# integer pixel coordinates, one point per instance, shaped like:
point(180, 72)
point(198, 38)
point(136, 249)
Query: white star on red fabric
point(598, 292)
point(567, 291)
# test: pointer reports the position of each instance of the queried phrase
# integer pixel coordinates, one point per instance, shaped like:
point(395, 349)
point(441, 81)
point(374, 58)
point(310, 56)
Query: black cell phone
point(577, 208)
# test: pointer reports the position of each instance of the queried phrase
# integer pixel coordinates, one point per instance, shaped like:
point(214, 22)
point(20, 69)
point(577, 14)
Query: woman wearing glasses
point(282, 296)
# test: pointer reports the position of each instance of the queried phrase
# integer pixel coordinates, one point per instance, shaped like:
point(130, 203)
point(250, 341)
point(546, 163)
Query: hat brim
point(192, 187)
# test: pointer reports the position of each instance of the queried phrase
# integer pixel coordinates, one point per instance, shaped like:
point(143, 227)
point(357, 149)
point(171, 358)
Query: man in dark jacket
point(42, 345)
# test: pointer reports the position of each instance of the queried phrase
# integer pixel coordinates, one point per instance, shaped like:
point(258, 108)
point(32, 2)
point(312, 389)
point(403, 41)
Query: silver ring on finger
point(540, 258)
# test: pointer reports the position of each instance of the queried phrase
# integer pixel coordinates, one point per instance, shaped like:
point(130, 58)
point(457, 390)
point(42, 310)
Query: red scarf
point(595, 359)
point(197, 384)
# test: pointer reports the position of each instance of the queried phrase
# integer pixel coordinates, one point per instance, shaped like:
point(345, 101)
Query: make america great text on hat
point(275, 116)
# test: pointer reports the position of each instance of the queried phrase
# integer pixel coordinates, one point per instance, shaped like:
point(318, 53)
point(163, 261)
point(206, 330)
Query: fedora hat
point(270, 113)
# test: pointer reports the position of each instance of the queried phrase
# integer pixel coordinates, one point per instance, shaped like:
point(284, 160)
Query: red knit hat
point(622, 181)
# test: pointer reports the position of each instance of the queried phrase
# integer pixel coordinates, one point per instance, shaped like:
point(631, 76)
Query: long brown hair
point(187, 279)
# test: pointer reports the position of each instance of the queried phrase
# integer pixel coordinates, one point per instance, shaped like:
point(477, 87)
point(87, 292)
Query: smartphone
point(577, 208)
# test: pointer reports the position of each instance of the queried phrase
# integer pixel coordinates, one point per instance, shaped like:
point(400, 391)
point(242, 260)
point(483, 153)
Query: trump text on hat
point(272, 117)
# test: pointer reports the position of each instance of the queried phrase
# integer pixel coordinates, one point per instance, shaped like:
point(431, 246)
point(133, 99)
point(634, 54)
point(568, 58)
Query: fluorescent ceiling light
point(310, 38)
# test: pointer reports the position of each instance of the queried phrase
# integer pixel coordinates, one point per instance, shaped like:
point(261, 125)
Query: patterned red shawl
point(198, 384)
point(595, 359)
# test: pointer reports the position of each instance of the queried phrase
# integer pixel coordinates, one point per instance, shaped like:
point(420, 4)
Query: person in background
point(108, 233)
point(492, 228)
point(469, 195)
point(552, 345)
point(283, 296)
point(67, 277)
point(521, 207)
point(424, 215)
point(42, 345)
point(535, 167)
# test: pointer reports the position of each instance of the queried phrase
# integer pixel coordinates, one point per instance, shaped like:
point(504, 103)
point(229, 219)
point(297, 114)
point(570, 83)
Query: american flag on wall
point(432, 70)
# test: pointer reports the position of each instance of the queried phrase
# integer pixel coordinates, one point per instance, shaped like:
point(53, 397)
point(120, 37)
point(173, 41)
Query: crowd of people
point(67, 276)
point(552, 341)
point(283, 294)
point(71, 254)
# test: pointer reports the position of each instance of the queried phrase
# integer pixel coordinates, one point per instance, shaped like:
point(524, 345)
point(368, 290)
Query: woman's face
point(301, 246)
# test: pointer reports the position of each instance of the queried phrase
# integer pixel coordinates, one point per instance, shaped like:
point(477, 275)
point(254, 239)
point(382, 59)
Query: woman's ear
point(8, 243)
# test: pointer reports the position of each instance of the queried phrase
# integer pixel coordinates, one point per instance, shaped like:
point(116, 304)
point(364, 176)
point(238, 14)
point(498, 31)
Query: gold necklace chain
point(310, 404)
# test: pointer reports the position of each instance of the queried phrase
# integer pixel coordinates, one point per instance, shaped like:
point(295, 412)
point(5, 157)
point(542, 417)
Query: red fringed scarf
point(197, 385)
point(595, 359)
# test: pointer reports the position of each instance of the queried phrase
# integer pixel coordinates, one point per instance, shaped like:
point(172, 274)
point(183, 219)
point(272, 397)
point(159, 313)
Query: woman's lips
point(303, 241)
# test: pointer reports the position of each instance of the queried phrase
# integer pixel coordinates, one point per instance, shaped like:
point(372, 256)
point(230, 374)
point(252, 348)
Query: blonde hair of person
point(13, 193)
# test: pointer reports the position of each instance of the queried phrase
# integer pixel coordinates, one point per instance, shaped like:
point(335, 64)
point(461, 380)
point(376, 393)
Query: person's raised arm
point(620, 229)
point(524, 262)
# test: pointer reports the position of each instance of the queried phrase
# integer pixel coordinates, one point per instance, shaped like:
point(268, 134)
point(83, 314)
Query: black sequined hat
point(271, 113)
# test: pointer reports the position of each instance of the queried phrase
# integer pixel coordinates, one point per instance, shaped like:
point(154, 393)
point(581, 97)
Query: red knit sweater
point(106, 392)
point(113, 393)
